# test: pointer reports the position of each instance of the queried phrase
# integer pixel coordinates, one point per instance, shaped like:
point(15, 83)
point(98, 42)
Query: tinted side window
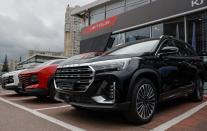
point(182, 48)
point(167, 43)
point(191, 50)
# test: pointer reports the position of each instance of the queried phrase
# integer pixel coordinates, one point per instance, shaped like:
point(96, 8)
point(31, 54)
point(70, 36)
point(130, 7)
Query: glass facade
point(130, 36)
point(96, 18)
point(115, 8)
point(111, 9)
point(138, 34)
point(174, 28)
point(132, 4)
point(114, 12)
point(118, 39)
point(97, 14)
point(157, 30)
point(197, 32)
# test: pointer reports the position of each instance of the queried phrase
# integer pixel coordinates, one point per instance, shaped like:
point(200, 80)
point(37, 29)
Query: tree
point(20, 59)
point(5, 66)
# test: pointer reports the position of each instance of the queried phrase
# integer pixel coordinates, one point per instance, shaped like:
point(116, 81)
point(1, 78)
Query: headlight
point(10, 79)
point(115, 65)
point(34, 79)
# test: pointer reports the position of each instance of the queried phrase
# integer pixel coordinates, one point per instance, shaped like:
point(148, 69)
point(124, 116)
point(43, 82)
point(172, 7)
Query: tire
point(143, 103)
point(52, 92)
point(197, 94)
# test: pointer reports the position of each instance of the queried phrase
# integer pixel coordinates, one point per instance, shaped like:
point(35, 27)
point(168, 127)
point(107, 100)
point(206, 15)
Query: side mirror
point(168, 50)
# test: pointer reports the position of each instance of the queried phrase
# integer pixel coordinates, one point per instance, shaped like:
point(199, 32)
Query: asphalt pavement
point(27, 113)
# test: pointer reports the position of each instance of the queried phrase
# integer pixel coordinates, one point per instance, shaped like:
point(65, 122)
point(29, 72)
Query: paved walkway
point(27, 113)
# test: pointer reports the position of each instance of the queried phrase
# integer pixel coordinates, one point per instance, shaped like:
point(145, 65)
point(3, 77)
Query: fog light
point(108, 97)
point(112, 90)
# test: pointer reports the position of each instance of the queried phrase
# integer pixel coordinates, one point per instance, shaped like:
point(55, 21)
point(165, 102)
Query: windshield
point(139, 48)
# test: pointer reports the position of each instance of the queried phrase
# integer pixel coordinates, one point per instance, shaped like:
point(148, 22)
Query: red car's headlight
point(34, 79)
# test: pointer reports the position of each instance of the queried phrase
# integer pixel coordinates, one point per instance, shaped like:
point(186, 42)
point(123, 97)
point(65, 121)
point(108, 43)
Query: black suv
point(133, 78)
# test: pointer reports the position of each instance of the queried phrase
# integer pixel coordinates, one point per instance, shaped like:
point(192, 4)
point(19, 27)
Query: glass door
point(197, 36)
point(197, 32)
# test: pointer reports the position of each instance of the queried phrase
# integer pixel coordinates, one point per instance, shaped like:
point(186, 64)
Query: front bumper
point(89, 103)
point(36, 91)
point(108, 88)
point(96, 97)
point(11, 87)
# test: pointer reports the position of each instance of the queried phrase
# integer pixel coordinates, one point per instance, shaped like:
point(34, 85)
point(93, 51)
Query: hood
point(35, 70)
point(97, 59)
point(30, 71)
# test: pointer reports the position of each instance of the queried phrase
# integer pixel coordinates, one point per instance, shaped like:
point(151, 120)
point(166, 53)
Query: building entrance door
point(197, 32)
point(197, 35)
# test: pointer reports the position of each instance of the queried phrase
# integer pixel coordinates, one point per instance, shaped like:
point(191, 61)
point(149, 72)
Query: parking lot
point(23, 113)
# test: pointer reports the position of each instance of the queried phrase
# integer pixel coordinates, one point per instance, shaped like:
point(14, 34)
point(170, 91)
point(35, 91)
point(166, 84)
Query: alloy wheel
point(145, 101)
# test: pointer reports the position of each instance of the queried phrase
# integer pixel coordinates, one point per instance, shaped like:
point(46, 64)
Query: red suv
point(39, 81)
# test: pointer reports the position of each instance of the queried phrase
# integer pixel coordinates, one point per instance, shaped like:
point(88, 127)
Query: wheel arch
point(145, 73)
point(50, 80)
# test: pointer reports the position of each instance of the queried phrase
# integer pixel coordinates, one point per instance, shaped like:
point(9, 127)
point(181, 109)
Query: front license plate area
point(66, 84)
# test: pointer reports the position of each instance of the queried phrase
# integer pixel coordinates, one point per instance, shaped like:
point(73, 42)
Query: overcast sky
point(32, 25)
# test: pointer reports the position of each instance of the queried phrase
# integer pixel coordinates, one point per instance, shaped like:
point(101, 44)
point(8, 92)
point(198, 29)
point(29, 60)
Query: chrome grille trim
point(83, 75)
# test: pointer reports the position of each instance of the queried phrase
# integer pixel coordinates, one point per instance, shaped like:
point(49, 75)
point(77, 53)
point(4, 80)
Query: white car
point(10, 81)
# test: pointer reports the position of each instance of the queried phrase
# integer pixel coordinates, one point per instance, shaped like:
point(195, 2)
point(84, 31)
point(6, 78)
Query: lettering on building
point(196, 2)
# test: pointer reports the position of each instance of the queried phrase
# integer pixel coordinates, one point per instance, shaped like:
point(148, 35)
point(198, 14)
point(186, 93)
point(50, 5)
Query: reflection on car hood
point(96, 59)
point(13, 73)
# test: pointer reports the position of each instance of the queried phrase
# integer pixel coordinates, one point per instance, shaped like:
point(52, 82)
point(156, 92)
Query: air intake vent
point(25, 80)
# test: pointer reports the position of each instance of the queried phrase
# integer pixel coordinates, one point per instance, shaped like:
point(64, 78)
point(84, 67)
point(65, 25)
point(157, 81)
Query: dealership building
point(109, 23)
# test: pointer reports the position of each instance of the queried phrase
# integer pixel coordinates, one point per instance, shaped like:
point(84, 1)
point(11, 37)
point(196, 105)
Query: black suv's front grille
point(74, 78)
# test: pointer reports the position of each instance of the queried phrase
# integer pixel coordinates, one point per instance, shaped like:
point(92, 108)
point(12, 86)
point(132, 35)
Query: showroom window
point(114, 12)
point(115, 8)
point(97, 18)
point(117, 39)
point(97, 15)
point(157, 30)
point(138, 34)
point(174, 28)
point(197, 32)
point(132, 4)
